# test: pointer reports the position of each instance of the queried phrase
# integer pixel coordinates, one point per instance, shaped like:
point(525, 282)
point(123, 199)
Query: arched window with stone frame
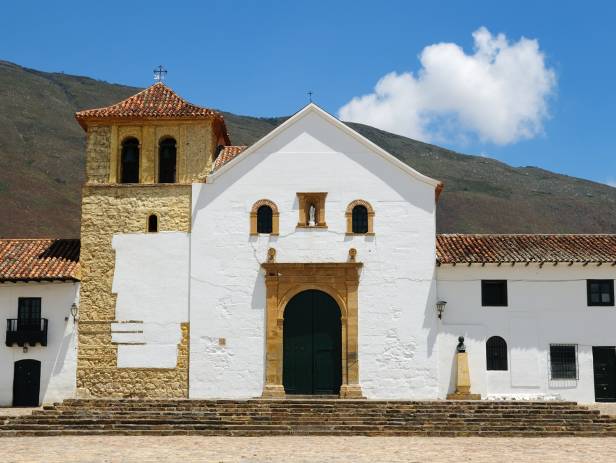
point(129, 161)
point(264, 218)
point(360, 218)
point(167, 160)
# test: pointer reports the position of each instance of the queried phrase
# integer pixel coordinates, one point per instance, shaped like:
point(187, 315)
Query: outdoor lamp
point(74, 310)
point(440, 308)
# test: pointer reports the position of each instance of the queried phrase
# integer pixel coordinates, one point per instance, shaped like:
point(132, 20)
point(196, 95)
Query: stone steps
point(299, 416)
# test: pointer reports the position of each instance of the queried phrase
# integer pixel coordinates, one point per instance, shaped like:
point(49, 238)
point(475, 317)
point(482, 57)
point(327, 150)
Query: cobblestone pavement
point(305, 449)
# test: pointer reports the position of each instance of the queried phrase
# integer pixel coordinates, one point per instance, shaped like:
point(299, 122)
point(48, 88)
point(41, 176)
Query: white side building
point(537, 313)
point(38, 289)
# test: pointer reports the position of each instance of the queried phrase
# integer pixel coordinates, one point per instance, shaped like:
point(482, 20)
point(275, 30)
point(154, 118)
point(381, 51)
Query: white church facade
point(305, 264)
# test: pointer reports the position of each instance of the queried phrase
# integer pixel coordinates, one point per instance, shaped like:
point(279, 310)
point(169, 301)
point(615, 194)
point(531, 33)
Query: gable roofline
point(313, 108)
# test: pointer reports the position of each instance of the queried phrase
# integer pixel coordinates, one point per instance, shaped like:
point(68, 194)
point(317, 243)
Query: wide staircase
point(309, 417)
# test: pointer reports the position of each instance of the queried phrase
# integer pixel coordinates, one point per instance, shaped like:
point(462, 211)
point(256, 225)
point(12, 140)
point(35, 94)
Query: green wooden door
point(311, 344)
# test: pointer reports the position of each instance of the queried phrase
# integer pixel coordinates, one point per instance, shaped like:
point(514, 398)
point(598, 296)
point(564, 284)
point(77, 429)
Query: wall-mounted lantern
point(440, 308)
point(74, 312)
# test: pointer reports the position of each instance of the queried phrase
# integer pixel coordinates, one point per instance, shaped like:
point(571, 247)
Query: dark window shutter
point(360, 219)
point(264, 219)
point(494, 293)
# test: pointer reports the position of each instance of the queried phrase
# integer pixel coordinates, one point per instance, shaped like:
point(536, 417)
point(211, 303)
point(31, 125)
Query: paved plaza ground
point(306, 449)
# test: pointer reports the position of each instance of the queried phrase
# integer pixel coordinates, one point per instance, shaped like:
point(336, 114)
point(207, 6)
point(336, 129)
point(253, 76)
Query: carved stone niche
point(308, 201)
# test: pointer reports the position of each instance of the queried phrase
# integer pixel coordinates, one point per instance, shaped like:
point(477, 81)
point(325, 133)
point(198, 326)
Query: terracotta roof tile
point(227, 154)
point(457, 249)
point(155, 102)
point(39, 259)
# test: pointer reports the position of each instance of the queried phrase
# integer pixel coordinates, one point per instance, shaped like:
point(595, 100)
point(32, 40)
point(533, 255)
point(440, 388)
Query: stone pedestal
point(351, 391)
point(463, 382)
point(273, 391)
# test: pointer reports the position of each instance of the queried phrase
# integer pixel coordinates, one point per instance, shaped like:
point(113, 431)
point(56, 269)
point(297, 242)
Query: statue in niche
point(312, 214)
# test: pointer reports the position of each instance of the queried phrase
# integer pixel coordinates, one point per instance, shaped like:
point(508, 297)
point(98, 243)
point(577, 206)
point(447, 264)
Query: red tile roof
point(155, 102)
point(459, 249)
point(227, 154)
point(39, 259)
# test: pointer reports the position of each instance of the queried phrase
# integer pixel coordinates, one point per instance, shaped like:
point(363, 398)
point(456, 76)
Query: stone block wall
point(107, 210)
point(195, 142)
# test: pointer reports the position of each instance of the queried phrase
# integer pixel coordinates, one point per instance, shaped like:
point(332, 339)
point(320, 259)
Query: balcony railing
point(22, 332)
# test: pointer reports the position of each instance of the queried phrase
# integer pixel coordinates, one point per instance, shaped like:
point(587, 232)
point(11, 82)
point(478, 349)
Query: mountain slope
point(41, 167)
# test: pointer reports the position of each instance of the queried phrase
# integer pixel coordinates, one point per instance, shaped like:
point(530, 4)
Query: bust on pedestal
point(463, 381)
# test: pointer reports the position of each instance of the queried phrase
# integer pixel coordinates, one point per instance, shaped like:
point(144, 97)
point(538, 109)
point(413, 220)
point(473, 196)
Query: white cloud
point(498, 94)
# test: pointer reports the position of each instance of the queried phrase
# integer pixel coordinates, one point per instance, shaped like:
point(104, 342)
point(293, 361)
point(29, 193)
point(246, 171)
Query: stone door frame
point(340, 280)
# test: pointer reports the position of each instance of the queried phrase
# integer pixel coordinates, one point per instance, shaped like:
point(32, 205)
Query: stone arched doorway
point(312, 354)
point(284, 281)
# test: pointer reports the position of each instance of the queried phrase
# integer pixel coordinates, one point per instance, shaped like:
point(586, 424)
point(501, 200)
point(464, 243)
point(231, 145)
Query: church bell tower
point(142, 155)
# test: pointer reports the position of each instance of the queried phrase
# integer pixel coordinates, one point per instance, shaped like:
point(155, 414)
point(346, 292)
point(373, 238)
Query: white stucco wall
point(151, 283)
point(546, 306)
point(397, 342)
point(59, 358)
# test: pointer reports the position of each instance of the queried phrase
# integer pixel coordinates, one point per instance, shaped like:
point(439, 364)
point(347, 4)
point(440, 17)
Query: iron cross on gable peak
point(310, 96)
point(159, 73)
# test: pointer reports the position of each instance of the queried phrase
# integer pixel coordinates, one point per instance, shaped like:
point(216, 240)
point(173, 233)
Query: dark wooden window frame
point(500, 301)
point(610, 290)
point(29, 309)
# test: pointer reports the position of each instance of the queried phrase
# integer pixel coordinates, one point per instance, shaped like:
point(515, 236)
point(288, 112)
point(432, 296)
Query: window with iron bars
point(563, 361)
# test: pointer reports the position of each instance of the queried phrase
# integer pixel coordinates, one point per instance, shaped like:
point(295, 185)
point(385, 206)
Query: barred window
point(494, 293)
point(600, 292)
point(496, 353)
point(563, 361)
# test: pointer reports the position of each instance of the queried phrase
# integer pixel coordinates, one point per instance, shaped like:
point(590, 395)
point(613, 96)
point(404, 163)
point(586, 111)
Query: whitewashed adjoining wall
point(545, 306)
point(397, 341)
point(151, 282)
point(59, 358)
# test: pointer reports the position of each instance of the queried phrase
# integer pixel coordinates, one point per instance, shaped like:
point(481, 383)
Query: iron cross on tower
point(159, 73)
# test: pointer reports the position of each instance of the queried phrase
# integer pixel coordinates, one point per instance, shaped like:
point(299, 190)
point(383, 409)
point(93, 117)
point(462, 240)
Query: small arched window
point(152, 223)
point(264, 219)
point(167, 161)
point(496, 353)
point(129, 162)
point(360, 219)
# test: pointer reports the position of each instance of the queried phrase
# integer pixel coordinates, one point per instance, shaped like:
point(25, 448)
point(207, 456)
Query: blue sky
point(260, 58)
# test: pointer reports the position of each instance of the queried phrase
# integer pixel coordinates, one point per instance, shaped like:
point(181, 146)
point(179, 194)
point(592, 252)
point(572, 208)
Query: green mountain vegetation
point(42, 165)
